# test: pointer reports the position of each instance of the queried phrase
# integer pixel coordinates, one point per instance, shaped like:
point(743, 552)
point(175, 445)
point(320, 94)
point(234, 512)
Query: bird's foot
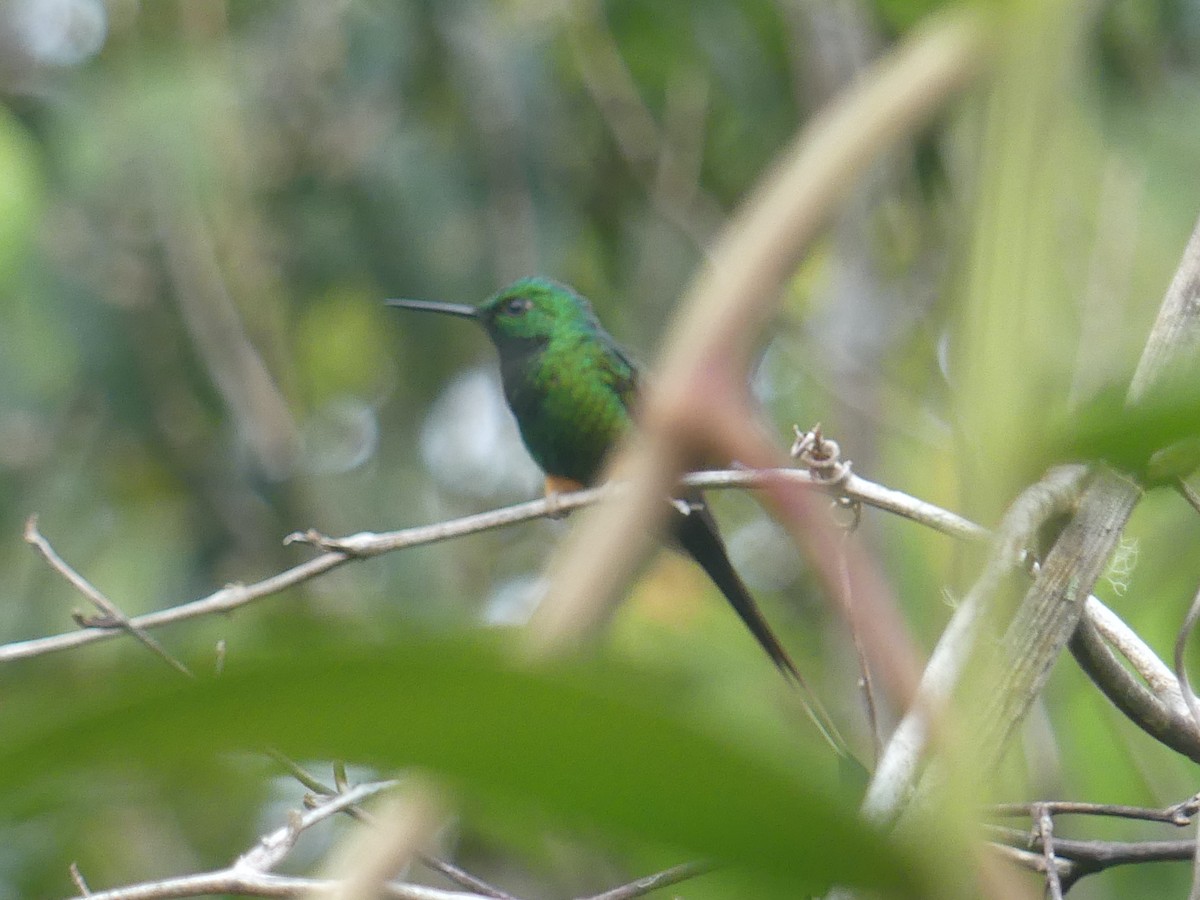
point(555, 487)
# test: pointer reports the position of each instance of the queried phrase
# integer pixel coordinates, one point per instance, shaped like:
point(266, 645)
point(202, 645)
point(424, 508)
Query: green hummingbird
point(572, 387)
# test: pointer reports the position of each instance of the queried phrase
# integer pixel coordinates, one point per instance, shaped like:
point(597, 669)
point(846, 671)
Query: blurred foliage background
point(203, 204)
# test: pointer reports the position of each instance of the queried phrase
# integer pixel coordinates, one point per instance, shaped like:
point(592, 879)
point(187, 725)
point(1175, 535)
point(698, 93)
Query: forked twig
point(113, 617)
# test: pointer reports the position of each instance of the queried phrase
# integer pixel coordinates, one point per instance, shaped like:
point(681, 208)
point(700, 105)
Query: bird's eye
point(517, 305)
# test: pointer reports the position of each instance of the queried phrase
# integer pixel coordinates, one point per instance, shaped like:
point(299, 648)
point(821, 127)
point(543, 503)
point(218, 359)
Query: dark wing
point(620, 372)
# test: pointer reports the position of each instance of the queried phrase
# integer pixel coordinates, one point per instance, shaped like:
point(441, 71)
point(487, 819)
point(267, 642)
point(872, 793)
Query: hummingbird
point(572, 389)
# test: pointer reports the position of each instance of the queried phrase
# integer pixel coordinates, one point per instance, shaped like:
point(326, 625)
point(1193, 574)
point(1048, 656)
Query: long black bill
point(451, 309)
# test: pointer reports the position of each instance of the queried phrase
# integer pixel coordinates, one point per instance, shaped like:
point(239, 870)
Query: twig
point(463, 878)
point(860, 652)
point(250, 884)
point(1185, 631)
point(1087, 857)
point(1095, 856)
point(367, 544)
point(113, 617)
point(1194, 891)
point(1179, 814)
point(1044, 830)
point(1145, 661)
point(448, 869)
point(301, 774)
point(1158, 709)
point(250, 874)
point(1032, 861)
point(274, 847)
point(370, 858)
point(77, 878)
point(645, 885)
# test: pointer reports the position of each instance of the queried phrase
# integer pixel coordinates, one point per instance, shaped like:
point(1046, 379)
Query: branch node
point(821, 456)
point(350, 546)
point(1183, 812)
point(77, 876)
point(110, 616)
point(95, 620)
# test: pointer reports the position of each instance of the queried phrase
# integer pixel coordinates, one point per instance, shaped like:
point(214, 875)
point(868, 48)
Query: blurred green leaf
point(1156, 439)
point(20, 192)
point(593, 748)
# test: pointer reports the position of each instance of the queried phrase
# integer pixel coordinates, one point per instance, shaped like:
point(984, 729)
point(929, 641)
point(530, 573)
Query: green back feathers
point(569, 384)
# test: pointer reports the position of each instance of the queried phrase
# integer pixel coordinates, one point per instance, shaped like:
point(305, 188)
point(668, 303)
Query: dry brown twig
point(339, 551)
point(1063, 861)
point(1044, 834)
point(112, 616)
point(252, 873)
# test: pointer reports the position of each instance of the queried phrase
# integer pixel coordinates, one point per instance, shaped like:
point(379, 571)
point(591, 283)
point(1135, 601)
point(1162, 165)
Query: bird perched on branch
point(571, 387)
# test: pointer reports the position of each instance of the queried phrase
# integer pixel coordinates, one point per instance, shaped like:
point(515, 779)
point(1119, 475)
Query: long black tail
point(696, 531)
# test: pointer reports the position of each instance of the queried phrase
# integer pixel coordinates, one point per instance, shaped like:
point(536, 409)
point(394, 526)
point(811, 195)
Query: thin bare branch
point(860, 652)
point(1179, 814)
point(1185, 631)
point(1087, 857)
point(665, 878)
point(1044, 831)
point(463, 878)
point(228, 882)
point(302, 775)
point(1159, 711)
point(78, 880)
point(340, 787)
point(368, 544)
point(1144, 660)
point(369, 858)
point(274, 847)
point(251, 875)
point(113, 617)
